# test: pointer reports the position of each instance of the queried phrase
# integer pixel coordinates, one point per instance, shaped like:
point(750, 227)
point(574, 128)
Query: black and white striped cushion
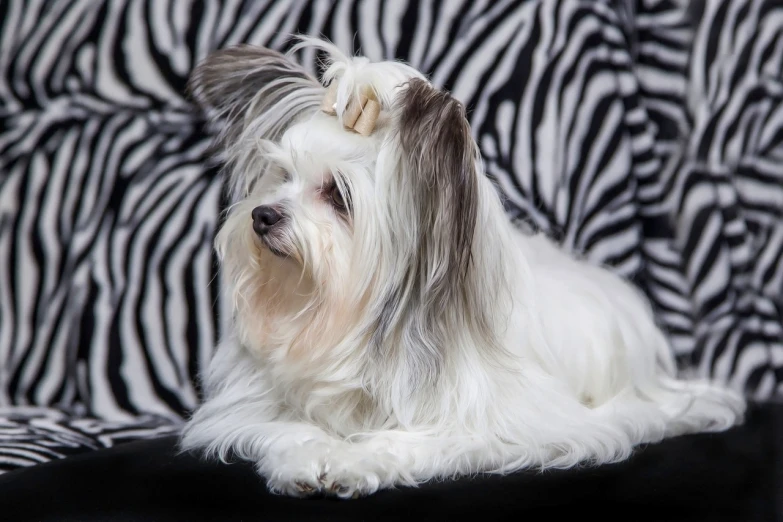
point(640, 138)
point(31, 435)
point(727, 193)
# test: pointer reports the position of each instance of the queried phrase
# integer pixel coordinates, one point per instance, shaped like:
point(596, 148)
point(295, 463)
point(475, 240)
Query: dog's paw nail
point(304, 487)
point(338, 489)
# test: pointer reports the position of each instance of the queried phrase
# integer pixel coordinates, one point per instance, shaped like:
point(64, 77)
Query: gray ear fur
point(438, 175)
point(439, 156)
point(251, 93)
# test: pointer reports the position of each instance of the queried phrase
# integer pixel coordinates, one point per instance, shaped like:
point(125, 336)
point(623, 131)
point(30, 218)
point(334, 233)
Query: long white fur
point(580, 372)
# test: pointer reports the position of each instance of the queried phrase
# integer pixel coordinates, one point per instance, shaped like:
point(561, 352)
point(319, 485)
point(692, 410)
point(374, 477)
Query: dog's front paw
point(351, 483)
point(297, 483)
point(353, 472)
point(298, 471)
point(306, 476)
point(334, 469)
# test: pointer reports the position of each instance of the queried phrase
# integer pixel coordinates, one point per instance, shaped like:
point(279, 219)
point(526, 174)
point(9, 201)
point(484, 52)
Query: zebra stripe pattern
point(32, 435)
point(728, 193)
point(643, 134)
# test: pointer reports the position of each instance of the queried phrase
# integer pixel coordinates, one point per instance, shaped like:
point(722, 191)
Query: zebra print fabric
point(32, 435)
point(727, 193)
point(643, 134)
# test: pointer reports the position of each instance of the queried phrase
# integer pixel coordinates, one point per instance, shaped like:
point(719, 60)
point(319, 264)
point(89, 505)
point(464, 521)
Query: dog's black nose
point(264, 218)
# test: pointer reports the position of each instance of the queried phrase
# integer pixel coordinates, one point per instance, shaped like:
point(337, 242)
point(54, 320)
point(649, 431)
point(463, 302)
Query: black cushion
point(730, 476)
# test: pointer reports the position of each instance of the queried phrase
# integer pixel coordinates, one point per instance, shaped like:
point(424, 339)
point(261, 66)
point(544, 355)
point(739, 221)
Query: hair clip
point(360, 114)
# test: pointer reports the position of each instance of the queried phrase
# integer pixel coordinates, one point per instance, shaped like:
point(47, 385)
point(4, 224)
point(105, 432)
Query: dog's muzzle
point(264, 219)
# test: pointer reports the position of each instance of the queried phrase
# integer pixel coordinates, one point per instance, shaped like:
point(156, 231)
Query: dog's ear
point(435, 184)
point(438, 163)
point(252, 93)
point(239, 83)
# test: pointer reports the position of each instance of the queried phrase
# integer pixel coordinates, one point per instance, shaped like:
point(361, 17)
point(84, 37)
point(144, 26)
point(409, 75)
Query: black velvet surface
point(733, 476)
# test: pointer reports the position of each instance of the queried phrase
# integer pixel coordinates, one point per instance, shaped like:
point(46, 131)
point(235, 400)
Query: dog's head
point(345, 239)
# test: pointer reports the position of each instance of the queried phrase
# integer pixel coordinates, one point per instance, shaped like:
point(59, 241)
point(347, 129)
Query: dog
point(390, 325)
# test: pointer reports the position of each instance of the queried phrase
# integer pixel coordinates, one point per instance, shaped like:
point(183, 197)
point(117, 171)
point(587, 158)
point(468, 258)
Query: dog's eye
point(336, 197)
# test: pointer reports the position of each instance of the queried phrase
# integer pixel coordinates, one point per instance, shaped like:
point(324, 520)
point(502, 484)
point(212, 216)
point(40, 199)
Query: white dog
point(390, 326)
